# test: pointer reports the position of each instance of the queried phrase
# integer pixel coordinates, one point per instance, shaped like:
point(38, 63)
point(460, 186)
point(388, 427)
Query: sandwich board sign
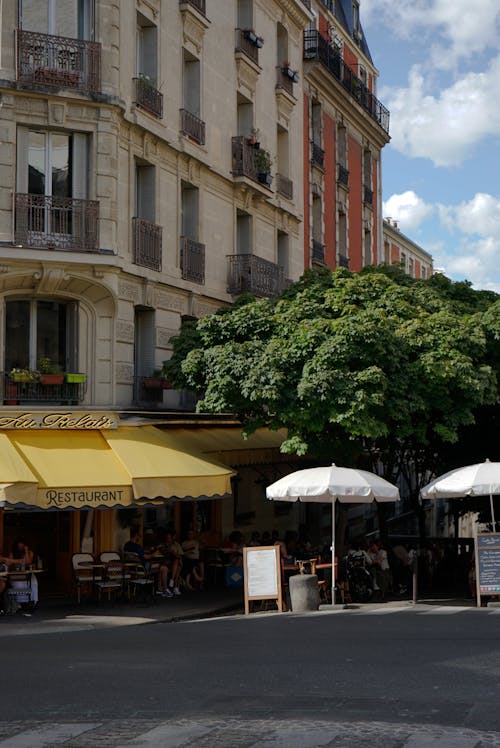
point(262, 575)
point(487, 565)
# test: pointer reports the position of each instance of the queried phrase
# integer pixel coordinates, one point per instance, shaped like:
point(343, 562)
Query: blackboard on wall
point(487, 564)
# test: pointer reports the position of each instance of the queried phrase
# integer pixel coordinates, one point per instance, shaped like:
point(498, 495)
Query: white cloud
point(480, 216)
point(475, 261)
point(444, 128)
point(408, 208)
point(461, 26)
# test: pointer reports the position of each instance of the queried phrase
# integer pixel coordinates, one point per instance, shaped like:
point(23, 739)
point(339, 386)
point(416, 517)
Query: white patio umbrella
point(482, 479)
point(331, 484)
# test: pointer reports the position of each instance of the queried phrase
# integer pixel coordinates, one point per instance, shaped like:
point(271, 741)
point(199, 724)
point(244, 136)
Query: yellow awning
point(111, 468)
point(160, 467)
point(228, 445)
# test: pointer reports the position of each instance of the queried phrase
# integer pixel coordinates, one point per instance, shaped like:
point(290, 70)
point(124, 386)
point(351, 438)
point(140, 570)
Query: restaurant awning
point(57, 469)
point(229, 446)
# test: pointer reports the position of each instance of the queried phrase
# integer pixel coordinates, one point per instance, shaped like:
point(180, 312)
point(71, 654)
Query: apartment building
point(345, 129)
point(400, 250)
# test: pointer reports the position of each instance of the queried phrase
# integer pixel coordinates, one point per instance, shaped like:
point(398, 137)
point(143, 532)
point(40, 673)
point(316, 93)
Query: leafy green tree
point(385, 367)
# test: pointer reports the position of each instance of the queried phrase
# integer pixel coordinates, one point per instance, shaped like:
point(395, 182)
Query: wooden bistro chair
point(113, 581)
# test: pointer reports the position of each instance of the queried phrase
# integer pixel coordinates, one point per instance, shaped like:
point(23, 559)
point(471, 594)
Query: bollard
point(304, 592)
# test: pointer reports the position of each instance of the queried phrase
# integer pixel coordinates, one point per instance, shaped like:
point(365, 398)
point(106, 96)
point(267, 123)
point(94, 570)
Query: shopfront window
point(36, 329)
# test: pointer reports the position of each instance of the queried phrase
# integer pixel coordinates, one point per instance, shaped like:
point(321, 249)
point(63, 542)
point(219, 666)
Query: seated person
point(173, 553)
point(192, 568)
point(134, 546)
point(22, 556)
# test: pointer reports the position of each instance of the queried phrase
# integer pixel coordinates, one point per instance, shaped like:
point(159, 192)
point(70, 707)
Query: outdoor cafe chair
point(113, 581)
point(84, 573)
point(106, 556)
point(19, 590)
point(144, 580)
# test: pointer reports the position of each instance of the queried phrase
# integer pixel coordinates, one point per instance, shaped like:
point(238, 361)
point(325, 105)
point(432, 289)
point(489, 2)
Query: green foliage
point(377, 362)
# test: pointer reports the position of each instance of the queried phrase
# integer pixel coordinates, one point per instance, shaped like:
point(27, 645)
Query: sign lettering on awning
point(58, 420)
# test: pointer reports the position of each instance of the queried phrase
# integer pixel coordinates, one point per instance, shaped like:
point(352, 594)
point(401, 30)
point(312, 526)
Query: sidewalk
point(64, 615)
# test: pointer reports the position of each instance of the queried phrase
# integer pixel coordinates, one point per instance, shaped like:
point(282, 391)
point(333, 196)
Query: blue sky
point(439, 64)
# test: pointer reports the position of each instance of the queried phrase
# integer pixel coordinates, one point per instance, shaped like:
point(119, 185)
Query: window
point(316, 123)
point(145, 191)
point(402, 260)
point(411, 267)
point(355, 16)
point(367, 168)
point(367, 249)
point(68, 18)
point(191, 80)
point(243, 233)
point(245, 14)
point(423, 272)
point(189, 211)
point(147, 53)
point(36, 329)
point(283, 253)
point(244, 112)
point(342, 145)
point(342, 222)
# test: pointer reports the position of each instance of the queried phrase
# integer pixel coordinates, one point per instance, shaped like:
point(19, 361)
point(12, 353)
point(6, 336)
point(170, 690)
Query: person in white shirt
point(380, 568)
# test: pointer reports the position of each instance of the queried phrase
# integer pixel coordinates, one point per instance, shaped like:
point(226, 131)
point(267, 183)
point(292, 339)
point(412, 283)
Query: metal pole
point(493, 523)
point(414, 564)
point(333, 551)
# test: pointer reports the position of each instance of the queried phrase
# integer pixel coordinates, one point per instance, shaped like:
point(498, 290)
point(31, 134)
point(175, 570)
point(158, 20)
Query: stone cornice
point(297, 11)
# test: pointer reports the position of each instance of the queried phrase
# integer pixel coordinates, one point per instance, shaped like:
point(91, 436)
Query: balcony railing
point(248, 161)
point(286, 78)
point(318, 155)
point(343, 176)
point(284, 186)
point(198, 4)
point(367, 196)
point(48, 222)
point(316, 47)
point(343, 261)
point(192, 260)
point(15, 393)
point(148, 97)
point(58, 61)
point(249, 43)
point(318, 251)
point(147, 244)
point(251, 274)
point(192, 126)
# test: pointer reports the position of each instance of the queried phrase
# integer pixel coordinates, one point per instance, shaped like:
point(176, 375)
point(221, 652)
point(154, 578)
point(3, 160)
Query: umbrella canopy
point(331, 484)
point(482, 479)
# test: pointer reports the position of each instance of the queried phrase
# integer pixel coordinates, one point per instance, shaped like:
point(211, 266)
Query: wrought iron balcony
point(316, 47)
point(198, 4)
point(45, 222)
point(148, 97)
point(16, 393)
point(192, 260)
point(343, 175)
point(250, 161)
point(318, 155)
point(58, 61)
point(367, 196)
point(147, 244)
point(192, 126)
point(286, 78)
point(251, 274)
point(343, 261)
point(284, 186)
point(318, 251)
point(249, 43)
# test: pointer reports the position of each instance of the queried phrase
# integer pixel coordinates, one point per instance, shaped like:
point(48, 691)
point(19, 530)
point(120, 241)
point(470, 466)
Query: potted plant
point(49, 373)
point(263, 162)
point(75, 378)
point(24, 375)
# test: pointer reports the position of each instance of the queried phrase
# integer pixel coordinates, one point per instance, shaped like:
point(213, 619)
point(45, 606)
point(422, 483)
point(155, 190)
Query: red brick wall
point(323, 26)
point(418, 270)
point(355, 206)
point(350, 59)
point(395, 255)
point(330, 204)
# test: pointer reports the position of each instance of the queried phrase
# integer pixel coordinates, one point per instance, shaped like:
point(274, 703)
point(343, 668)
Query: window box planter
point(24, 375)
point(75, 378)
point(292, 74)
point(265, 178)
point(52, 379)
point(156, 383)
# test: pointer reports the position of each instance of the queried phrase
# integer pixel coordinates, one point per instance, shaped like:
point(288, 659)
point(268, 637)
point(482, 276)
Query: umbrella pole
point(493, 523)
point(333, 552)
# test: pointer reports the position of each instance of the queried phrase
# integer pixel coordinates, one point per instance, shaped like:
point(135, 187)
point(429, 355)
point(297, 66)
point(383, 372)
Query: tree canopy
point(367, 358)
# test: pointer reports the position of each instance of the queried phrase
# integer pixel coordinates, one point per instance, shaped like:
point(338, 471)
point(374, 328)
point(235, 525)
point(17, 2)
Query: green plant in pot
point(263, 163)
point(24, 375)
point(50, 373)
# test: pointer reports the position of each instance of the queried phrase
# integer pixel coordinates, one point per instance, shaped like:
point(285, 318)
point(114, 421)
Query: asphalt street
point(436, 668)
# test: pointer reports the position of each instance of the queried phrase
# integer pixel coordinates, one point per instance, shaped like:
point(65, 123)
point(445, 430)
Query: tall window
point(245, 14)
point(244, 112)
point(243, 233)
point(70, 18)
point(367, 249)
point(342, 145)
point(145, 191)
point(147, 53)
point(36, 329)
point(283, 253)
point(190, 210)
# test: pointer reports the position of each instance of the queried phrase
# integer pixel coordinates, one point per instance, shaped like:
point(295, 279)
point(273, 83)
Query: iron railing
point(198, 4)
point(46, 222)
point(343, 261)
point(318, 155)
point(192, 126)
point(284, 186)
point(316, 47)
point(285, 80)
point(250, 161)
point(343, 175)
point(148, 97)
point(367, 196)
point(15, 393)
point(192, 260)
point(248, 273)
point(147, 244)
point(246, 42)
point(318, 251)
point(58, 61)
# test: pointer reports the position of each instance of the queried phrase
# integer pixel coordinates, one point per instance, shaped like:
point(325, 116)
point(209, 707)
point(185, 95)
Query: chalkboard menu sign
point(487, 565)
point(262, 574)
